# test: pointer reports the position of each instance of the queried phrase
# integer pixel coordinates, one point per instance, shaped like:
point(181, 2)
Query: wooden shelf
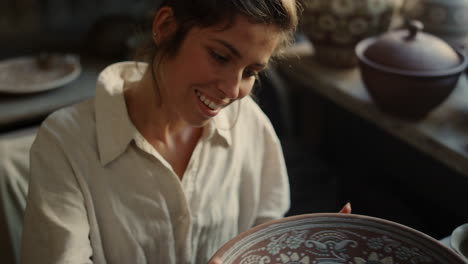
point(442, 135)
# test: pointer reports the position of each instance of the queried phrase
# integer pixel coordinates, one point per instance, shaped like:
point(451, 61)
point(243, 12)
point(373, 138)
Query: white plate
point(23, 75)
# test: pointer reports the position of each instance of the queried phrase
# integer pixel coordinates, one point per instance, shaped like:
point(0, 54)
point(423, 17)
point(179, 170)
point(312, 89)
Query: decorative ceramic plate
point(36, 74)
point(332, 238)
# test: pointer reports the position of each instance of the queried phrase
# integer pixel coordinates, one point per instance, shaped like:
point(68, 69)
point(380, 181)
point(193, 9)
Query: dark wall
point(385, 177)
point(31, 26)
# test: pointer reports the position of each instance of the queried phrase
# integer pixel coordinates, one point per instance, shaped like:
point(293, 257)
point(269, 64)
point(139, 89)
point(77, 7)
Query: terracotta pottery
point(332, 238)
point(335, 26)
point(447, 19)
point(408, 73)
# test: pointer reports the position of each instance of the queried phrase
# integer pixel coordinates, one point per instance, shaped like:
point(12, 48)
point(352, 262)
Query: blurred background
point(333, 155)
point(29, 26)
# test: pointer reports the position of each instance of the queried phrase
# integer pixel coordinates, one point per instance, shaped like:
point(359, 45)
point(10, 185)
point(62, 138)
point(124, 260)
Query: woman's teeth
point(207, 102)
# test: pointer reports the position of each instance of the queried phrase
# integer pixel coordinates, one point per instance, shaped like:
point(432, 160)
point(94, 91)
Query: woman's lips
point(208, 107)
point(210, 104)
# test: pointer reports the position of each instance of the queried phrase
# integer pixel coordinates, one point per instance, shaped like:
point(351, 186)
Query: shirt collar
point(222, 126)
point(114, 127)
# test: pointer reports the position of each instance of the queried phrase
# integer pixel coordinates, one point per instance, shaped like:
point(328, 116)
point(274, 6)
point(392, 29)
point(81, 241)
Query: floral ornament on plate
point(373, 259)
point(294, 259)
point(335, 238)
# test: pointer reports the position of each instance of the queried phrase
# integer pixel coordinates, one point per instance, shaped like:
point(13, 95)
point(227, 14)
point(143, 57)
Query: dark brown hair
point(284, 14)
point(204, 13)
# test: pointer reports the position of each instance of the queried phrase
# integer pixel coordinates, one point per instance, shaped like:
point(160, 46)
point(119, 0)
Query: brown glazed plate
point(332, 238)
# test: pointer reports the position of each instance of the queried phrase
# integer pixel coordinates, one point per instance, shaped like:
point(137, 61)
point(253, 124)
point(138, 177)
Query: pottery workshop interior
point(369, 102)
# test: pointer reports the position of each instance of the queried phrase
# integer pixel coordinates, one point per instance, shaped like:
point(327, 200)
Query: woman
point(171, 159)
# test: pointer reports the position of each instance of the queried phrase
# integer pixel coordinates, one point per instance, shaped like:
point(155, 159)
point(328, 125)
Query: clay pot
point(408, 73)
point(447, 19)
point(335, 26)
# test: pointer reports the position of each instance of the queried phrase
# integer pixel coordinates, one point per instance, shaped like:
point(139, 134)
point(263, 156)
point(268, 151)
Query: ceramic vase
point(447, 19)
point(335, 26)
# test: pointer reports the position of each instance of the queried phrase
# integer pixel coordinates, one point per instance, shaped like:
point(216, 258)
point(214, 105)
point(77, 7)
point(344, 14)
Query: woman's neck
point(174, 139)
point(153, 119)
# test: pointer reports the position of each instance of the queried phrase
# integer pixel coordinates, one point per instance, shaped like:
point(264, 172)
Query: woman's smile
point(208, 107)
point(216, 67)
point(208, 102)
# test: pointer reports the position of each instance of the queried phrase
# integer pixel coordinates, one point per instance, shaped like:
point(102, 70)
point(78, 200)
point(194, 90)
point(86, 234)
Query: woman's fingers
point(216, 261)
point(346, 209)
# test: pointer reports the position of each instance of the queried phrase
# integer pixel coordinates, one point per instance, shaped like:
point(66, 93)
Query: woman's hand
point(216, 261)
point(346, 209)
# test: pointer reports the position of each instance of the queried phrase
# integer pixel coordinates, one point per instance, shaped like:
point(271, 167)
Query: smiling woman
point(172, 158)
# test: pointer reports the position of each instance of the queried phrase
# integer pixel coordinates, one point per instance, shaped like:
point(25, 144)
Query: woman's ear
point(164, 25)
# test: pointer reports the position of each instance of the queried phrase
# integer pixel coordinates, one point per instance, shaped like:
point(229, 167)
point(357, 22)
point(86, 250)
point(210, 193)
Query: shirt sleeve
point(274, 184)
point(56, 228)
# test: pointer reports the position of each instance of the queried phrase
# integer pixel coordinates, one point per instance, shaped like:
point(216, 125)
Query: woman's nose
point(230, 85)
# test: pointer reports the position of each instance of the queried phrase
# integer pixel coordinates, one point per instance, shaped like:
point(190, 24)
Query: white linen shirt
point(100, 193)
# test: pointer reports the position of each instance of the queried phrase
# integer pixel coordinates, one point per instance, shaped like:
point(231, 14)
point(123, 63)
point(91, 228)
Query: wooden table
point(442, 135)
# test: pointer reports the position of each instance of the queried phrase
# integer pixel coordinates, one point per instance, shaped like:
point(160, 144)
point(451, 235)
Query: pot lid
point(413, 50)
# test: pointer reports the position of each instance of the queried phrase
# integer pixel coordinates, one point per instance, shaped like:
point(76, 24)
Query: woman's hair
point(204, 13)
point(188, 14)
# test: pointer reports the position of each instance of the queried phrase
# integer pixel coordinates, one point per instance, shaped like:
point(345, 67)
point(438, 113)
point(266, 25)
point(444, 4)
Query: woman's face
point(214, 68)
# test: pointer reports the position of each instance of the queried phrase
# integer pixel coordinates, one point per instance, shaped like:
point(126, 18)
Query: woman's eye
point(250, 73)
point(218, 57)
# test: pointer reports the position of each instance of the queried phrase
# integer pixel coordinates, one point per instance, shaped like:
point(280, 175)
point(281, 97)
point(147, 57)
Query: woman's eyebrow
point(229, 47)
point(234, 51)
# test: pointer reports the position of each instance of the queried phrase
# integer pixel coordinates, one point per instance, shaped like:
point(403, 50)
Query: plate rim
point(225, 247)
point(70, 59)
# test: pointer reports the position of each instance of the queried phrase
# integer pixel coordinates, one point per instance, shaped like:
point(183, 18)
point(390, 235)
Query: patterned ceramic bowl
point(443, 18)
point(335, 26)
point(331, 238)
